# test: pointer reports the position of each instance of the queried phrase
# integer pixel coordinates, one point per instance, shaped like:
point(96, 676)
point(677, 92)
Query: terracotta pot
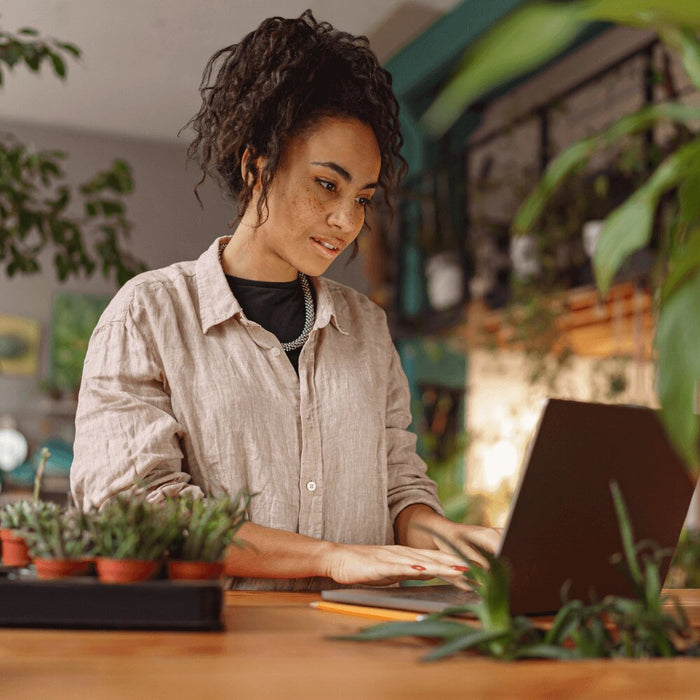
point(14, 549)
point(125, 570)
point(60, 568)
point(180, 570)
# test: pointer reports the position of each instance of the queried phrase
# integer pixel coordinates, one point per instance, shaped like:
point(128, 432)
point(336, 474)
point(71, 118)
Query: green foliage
point(685, 567)
point(57, 534)
point(206, 526)
point(16, 515)
point(639, 627)
point(130, 527)
point(14, 49)
point(34, 196)
point(503, 54)
point(508, 51)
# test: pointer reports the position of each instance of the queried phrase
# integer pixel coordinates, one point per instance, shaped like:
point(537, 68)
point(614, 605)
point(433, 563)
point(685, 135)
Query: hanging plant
point(508, 51)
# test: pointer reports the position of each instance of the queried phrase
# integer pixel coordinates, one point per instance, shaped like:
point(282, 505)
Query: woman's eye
point(364, 201)
point(329, 186)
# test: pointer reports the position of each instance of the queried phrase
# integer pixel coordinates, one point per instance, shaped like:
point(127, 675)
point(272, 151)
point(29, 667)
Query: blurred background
point(487, 325)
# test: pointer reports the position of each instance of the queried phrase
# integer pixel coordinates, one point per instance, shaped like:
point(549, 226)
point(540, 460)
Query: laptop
point(562, 528)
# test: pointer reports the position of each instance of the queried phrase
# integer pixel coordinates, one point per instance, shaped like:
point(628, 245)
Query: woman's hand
point(420, 526)
point(384, 565)
point(462, 536)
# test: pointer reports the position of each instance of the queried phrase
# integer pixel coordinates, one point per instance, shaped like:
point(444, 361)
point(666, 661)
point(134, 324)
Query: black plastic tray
point(85, 603)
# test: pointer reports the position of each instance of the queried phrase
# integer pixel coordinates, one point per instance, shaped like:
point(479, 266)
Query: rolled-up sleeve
point(126, 432)
point(407, 480)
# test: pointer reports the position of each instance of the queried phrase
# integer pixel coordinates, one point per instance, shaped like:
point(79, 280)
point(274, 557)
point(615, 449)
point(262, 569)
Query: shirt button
point(275, 352)
point(311, 486)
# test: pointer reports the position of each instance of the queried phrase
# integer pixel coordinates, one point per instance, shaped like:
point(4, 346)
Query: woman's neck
point(245, 257)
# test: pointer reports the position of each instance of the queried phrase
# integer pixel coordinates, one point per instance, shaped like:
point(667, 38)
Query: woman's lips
point(322, 245)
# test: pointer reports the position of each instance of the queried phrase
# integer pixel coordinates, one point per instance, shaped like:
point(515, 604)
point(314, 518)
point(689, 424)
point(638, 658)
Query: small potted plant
point(208, 528)
point(59, 542)
point(131, 537)
point(13, 518)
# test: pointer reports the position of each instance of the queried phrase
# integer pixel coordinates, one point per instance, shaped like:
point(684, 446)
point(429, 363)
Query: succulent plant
point(57, 534)
point(208, 526)
point(130, 527)
point(16, 515)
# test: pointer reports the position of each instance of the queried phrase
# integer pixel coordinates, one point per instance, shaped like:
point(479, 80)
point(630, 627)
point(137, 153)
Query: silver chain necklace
point(309, 311)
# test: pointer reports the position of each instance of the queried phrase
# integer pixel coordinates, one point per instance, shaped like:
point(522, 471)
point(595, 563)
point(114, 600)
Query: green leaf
point(28, 31)
point(684, 263)
point(688, 46)
point(58, 65)
point(70, 48)
point(677, 342)
point(545, 651)
point(626, 230)
point(469, 639)
point(507, 51)
point(629, 227)
point(626, 535)
point(560, 168)
point(689, 200)
point(645, 13)
point(422, 628)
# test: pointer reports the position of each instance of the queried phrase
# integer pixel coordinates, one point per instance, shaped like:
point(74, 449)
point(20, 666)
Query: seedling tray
point(85, 603)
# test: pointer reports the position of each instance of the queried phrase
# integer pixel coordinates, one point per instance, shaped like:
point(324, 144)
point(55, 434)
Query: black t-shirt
point(277, 306)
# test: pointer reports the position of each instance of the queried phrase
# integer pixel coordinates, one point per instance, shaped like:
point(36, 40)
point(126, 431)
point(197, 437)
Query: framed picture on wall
point(19, 345)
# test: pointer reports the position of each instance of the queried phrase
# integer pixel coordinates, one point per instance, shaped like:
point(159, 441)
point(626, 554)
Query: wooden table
point(275, 646)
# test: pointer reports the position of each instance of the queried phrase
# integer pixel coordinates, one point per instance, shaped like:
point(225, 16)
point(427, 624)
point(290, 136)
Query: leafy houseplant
point(34, 194)
point(637, 627)
point(59, 541)
point(207, 528)
point(131, 536)
point(508, 51)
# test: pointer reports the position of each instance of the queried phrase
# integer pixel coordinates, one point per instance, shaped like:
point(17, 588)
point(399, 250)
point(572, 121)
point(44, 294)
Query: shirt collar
point(216, 301)
point(218, 304)
point(326, 311)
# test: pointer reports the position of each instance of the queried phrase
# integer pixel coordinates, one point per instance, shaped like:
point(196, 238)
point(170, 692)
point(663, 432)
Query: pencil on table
point(367, 612)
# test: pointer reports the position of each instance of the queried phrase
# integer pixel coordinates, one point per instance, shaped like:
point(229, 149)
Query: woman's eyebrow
point(342, 172)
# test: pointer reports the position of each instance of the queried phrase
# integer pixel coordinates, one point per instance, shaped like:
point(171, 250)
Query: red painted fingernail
point(460, 568)
point(418, 567)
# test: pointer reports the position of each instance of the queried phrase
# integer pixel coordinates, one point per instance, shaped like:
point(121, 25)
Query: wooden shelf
point(586, 324)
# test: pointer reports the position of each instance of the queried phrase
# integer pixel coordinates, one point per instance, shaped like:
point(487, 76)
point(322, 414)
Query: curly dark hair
point(279, 82)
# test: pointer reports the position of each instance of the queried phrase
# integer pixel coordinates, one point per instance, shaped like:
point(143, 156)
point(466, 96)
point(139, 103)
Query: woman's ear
point(250, 171)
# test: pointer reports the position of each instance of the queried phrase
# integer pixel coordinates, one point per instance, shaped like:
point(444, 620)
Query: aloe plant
point(614, 627)
point(508, 51)
point(208, 526)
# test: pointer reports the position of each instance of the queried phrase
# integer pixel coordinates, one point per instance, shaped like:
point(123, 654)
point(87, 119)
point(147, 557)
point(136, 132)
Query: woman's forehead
point(345, 145)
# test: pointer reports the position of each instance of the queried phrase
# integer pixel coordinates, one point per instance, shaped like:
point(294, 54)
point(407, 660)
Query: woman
point(246, 368)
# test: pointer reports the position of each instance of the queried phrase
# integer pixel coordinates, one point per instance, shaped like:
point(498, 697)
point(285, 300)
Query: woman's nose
point(346, 217)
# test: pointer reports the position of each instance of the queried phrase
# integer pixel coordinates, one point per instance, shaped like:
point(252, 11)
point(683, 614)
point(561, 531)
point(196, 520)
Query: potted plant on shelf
point(131, 537)
point(208, 528)
point(59, 542)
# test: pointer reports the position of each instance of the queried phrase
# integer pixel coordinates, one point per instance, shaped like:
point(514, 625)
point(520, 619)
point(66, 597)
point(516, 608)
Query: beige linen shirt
point(179, 388)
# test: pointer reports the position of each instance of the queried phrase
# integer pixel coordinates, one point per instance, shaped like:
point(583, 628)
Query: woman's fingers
point(388, 564)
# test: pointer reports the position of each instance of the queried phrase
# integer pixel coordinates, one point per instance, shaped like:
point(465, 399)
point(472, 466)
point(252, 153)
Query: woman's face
point(317, 199)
